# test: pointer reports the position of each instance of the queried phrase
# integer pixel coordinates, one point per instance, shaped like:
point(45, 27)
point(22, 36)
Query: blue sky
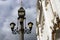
point(9, 13)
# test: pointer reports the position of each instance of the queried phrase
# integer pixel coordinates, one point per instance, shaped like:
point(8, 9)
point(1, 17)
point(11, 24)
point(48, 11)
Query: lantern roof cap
point(30, 23)
point(12, 23)
point(21, 9)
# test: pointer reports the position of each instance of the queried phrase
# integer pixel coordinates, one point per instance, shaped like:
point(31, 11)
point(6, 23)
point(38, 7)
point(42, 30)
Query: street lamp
point(21, 12)
point(12, 26)
point(30, 24)
point(21, 30)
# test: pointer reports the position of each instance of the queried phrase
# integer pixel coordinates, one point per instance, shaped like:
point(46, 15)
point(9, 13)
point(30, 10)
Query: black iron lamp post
point(21, 30)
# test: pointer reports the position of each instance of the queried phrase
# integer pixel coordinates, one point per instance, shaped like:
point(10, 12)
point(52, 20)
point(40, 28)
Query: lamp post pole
point(22, 32)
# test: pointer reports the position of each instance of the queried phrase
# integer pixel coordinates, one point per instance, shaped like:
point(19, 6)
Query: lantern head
point(30, 24)
point(21, 12)
point(12, 25)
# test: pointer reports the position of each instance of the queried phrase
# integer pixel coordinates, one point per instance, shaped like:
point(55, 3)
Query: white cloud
point(29, 3)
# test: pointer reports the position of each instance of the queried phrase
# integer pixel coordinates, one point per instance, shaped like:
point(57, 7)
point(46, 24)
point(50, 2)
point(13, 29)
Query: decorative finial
point(21, 3)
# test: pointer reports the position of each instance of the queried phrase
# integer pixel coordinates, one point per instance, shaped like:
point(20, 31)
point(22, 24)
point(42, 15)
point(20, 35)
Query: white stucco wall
point(49, 16)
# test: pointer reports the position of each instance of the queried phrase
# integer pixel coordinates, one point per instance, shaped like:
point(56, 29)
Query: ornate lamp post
point(21, 30)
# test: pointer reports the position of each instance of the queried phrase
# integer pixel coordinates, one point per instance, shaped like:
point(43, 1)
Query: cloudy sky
point(9, 13)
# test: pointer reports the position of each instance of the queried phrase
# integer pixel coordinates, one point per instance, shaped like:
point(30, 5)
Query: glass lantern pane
point(22, 13)
point(12, 25)
point(30, 25)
